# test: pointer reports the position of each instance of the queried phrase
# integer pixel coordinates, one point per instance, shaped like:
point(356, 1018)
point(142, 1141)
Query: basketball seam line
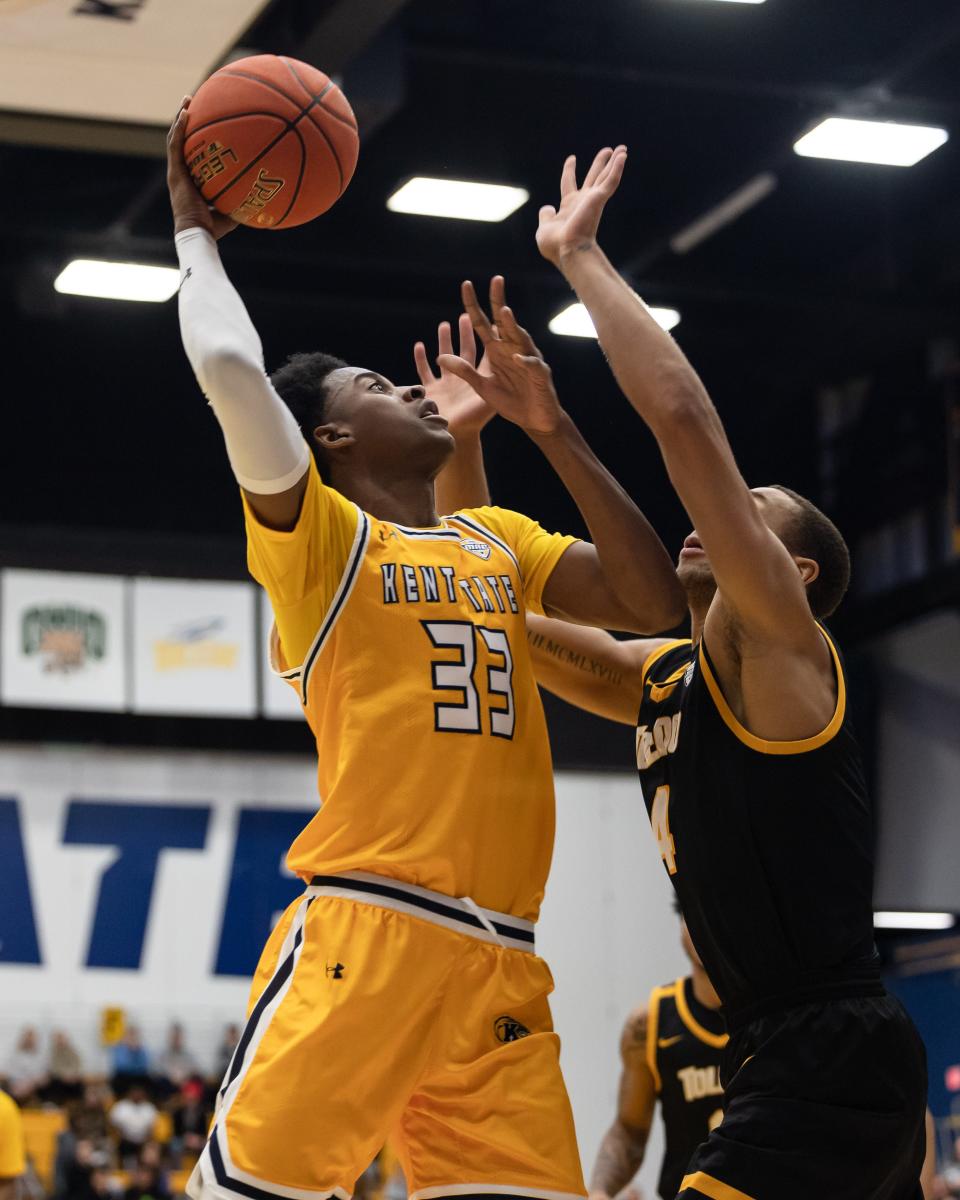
point(257, 112)
point(329, 111)
point(317, 100)
point(290, 125)
point(316, 124)
point(303, 167)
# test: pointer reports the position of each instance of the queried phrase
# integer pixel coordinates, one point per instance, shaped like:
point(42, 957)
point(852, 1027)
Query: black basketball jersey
point(684, 1043)
point(769, 845)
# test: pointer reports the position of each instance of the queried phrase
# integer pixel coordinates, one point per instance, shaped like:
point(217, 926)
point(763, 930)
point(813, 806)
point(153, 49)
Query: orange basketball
point(271, 141)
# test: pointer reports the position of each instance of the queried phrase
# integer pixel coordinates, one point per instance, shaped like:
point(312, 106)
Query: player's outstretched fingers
point(468, 341)
point(498, 298)
point(444, 338)
point(568, 176)
point(609, 179)
point(478, 318)
point(422, 364)
point(600, 161)
point(463, 370)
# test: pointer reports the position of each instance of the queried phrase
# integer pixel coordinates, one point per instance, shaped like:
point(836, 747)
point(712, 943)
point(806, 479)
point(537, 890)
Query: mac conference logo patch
point(480, 549)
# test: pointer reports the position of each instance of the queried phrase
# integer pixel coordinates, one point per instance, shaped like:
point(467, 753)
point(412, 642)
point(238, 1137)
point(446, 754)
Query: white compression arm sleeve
point(266, 448)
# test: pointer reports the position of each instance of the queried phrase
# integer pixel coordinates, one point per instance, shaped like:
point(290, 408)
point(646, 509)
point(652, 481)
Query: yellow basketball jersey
point(408, 650)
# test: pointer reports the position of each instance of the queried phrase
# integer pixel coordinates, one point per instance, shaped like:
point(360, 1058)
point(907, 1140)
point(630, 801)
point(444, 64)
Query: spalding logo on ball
point(271, 142)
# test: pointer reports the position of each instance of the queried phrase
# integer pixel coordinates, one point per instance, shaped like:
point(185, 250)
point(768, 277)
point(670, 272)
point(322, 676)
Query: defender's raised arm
point(753, 568)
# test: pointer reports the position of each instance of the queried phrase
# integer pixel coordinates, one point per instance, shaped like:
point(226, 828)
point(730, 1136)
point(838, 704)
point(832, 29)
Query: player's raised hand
point(574, 224)
point(464, 408)
point(189, 207)
point(520, 384)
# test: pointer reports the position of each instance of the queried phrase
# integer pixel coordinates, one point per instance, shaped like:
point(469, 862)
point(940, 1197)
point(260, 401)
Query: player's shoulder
point(653, 651)
point(490, 514)
point(509, 527)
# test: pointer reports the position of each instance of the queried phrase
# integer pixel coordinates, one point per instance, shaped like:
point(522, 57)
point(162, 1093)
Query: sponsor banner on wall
point(63, 640)
point(279, 698)
point(113, 60)
point(193, 648)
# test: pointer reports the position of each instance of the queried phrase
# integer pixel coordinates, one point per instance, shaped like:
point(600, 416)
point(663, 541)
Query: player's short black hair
point(301, 384)
point(811, 534)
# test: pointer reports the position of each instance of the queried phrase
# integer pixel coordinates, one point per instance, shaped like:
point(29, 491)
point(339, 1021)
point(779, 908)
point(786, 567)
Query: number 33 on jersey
point(408, 650)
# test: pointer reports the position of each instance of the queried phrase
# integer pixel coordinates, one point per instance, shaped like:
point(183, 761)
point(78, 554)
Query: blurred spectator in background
point(13, 1159)
point(146, 1183)
point(96, 1184)
point(88, 1115)
point(231, 1035)
point(176, 1064)
point(84, 1145)
point(148, 1180)
point(191, 1119)
point(131, 1063)
point(133, 1118)
point(64, 1070)
point(25, 1072)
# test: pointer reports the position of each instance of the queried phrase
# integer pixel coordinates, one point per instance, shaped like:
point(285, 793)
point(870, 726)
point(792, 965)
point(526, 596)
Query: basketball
point(271, 142)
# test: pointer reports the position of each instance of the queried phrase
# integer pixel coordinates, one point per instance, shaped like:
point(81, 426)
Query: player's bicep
point(577, 590)
point(588, 667)
point(637, 1094)
point(279, 511)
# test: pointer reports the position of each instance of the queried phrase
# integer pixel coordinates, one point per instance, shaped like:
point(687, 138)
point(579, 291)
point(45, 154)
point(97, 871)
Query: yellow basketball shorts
point(382, 1010)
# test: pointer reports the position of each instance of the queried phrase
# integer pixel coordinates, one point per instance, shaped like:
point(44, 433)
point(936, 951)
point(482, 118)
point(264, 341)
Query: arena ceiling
point(842, 270)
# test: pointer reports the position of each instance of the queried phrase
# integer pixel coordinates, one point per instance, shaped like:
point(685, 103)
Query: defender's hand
point(189, 207)
point(466, 412)
point(520, 385)
point(574, 225)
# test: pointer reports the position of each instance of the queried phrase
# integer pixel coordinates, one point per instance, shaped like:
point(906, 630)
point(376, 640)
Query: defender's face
point(693, 565)
point(391, 424)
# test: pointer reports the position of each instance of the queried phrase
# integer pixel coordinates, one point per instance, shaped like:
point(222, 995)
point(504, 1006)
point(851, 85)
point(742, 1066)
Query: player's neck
point(703, 988)
point(403, 500)
point(700, 595)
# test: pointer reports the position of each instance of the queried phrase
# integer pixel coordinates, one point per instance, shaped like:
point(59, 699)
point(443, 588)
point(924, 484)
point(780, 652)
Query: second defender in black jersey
point(754, 786)
point(685, 1041)
point(670, 1051)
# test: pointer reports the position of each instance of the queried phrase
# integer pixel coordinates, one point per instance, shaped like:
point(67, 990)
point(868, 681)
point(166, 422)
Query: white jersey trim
point(300, 676)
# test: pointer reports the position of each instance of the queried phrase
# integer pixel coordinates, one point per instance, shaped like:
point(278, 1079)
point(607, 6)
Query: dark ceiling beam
point(869, 100)
point(345, 29)
point(814, 94)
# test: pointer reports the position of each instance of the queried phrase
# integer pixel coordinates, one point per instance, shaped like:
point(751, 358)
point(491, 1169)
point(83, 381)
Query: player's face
point(391, 425)
point(693, 566)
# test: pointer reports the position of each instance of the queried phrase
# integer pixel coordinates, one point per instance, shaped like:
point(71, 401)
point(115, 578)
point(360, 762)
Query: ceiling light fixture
point(117, 280)
point(884, 143)
point(574, 321)
point(914, 920)
point(457, 198)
